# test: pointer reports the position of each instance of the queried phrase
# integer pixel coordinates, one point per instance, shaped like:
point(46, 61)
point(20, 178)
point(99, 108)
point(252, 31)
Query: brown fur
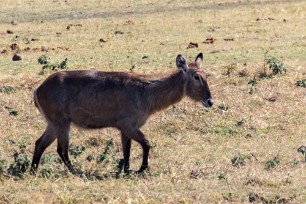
point(92, 99)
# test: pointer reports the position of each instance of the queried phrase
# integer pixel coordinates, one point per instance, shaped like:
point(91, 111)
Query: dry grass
point(192, 146)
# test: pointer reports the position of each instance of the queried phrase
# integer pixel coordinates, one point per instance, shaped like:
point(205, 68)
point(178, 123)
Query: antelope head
point(196, 86)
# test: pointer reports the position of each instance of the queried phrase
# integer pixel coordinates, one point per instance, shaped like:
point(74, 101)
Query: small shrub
point(296, 162)
point(76, 150)
point(43, 60)
point(2, 162)
point(46, 64)
point(47, 158)
point(276, 66)
point(90, 158)
point(93, 175)
point(119, 167)
point(253, 197)
point(222, 176)
point(240, 122)
point(272, 163)
point(229, 69)
point(302, 150)
point(226, 195)
point(46, 172)
point(223, 107)
point(22, 144)
point(301, 83)
point(20, 165)
point(253, 82)
point(93, 142)
point(63, 64)
point(7, 89)
point(13, 112)
point(104, 155)
point(239, 160)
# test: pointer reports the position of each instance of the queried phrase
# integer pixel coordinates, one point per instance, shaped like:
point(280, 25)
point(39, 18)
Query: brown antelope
point(92, 99)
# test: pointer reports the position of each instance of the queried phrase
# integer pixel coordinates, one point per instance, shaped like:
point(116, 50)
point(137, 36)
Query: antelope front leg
point(40, 145)
point(135, 134)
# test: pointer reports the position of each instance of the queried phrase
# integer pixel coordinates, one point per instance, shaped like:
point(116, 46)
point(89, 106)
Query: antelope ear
point(199, 60)
point(181, 63)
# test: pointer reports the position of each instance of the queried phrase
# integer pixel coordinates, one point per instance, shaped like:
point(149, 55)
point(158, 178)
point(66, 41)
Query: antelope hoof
point(142, 169)
point(33, 171)
point(75, 171)
point(127, 171)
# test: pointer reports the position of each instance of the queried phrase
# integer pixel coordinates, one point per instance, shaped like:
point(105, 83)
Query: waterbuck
point(93, 99)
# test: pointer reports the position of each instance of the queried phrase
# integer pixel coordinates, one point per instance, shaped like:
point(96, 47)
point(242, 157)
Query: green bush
point(301, 83)
point(20, 165)
point(223, 107)
point(2, 162)
point(276, 66)
point(46, 64)
point(76, 150)
point(302, 150)
point(13, 112)
point(46, 172)
point(252, 82)
point(104, 155)
point(272, 163)
point(7, 89)
point(90, 158)
point(239, 160)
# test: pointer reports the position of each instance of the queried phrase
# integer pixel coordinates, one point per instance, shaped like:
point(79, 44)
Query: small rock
point(209, 40)
point(9, 32)
point(211, 30)
point(129, 22)
point(192, 45)
point(16, 57)
point(27, 49)
point(44, 49)
point(102, 40)
point(118, 32)
point(34, 39)
point(216, 51)
point(272, 97)
point(228, 39)
point(14, 22)
point(248, 135)
point(4, 51)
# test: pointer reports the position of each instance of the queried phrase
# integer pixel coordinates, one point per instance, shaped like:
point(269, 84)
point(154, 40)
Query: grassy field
point(242, 150)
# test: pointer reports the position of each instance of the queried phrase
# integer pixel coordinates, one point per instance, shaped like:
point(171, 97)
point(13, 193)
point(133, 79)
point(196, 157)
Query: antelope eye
point(196, 77)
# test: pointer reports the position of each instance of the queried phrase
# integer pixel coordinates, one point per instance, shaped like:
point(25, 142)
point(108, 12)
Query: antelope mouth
point(208, 102)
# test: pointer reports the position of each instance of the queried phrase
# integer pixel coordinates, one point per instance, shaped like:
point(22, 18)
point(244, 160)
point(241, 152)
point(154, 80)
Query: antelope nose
point(210, 102)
